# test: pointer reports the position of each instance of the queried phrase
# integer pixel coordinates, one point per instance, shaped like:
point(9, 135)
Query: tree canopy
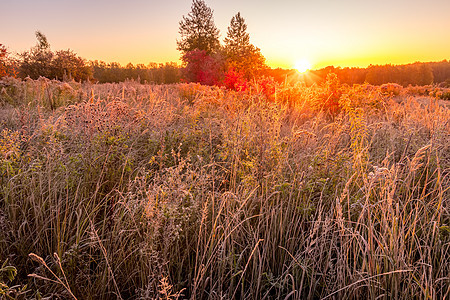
point(198, 30)
point(242, 55)
point(36, 61)
point(41, 61)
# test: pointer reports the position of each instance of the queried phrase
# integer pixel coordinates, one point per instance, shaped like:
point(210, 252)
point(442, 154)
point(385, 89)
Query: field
point(140, 191)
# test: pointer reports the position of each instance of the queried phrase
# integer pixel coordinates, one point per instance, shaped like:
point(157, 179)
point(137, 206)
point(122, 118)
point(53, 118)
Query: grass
point(184, 191)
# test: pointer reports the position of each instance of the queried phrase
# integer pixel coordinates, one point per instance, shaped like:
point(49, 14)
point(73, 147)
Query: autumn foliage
point(202, 67)
point(235, 80)
point(206, 61)
point(331, 94)
point(2, 57)
point(6, 67)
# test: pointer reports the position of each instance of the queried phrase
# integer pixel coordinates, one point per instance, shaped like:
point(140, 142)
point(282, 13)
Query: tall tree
point(198, 30)
point(242, 55)
point(237, 41)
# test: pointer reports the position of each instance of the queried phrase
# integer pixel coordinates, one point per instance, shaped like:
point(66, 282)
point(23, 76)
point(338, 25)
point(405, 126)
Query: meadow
point(139, 191)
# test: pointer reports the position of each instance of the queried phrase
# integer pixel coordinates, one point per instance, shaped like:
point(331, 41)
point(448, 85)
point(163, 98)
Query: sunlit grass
point(144, 191)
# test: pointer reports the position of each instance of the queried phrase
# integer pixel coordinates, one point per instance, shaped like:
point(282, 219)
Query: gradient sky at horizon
point(325, 32)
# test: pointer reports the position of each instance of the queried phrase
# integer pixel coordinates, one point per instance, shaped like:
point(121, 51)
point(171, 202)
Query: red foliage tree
point(203, 68)
point(266, 86)
point(235, 80)
point(331, 94)
point(6, 66)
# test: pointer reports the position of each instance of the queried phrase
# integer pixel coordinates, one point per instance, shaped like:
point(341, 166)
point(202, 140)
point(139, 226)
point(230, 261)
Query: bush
point(391, 89)
point(235, 81)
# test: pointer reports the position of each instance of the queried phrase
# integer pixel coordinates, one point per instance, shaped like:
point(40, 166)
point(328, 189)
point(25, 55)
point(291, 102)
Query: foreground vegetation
point(141, 191)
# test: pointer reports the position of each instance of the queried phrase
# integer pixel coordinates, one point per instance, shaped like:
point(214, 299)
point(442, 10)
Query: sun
point(302, 65)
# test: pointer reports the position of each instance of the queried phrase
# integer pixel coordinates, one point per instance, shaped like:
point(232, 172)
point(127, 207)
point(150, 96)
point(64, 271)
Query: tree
point(171, 73)
point(201, 52)
point(67, 65)
point(41, 61)
point(43, 43)
point(36, 62)
point(426, 74)
point(242, 55)
point(203, 68)
point(198, 30)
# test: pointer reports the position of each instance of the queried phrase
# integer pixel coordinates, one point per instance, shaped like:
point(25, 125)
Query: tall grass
point(184, 191)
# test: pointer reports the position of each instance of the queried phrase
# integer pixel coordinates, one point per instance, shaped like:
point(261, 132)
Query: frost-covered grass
point(139, 191)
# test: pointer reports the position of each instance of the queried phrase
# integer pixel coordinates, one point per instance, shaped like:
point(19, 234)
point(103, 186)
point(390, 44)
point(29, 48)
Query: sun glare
point(302, 65)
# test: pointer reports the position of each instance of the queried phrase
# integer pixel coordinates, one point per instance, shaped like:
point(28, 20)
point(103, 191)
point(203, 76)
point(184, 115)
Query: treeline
point(152, 73)
point(235, 65)
point(205, 60)
point(6, 63)
point(41, 61)
point(409, 74)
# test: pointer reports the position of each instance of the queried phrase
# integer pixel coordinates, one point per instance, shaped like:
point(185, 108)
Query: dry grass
point(184, 191)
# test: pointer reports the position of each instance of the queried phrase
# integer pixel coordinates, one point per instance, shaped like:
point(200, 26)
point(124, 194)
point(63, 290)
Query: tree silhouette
point(242, 55)
point(237, 40)
point(198, 30)
point(43, 43)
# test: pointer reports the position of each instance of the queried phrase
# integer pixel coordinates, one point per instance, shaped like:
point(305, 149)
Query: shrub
point(391, 89)
point(235, 80)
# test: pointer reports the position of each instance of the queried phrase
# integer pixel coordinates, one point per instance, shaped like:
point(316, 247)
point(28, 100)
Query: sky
point(346, 33)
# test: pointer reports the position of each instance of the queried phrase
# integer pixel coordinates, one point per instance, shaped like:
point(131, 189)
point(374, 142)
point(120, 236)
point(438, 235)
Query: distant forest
point(152, 73)
point(411, 74)
point(66, 65)
point(235, 65)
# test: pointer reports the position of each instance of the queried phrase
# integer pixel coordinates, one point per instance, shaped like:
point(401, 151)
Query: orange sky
point(324, 32)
